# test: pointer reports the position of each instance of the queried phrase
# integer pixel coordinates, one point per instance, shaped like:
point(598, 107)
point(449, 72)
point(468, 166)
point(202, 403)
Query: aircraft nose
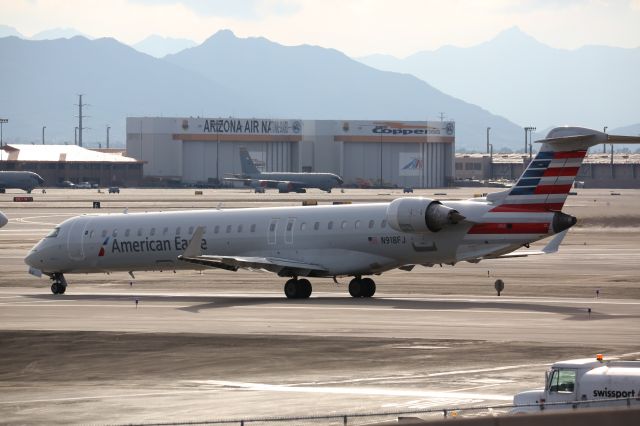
point(3, 220)
point(33, 258)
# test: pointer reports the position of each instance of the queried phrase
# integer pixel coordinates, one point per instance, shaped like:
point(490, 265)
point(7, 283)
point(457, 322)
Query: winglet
point(194, 248)
point(555, 242)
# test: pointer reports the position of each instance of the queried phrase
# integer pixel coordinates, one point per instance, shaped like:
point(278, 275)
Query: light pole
point(604, 145)
point(2, 121)
point(528, 130)
point(43, 127)
point(488, 128)
point(75, 136)
point(108, 127)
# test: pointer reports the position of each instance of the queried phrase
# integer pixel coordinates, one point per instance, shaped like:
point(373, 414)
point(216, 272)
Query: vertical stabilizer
point(248, 166)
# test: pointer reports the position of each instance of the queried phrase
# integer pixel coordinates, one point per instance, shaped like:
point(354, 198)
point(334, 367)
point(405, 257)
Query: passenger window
point(330, 225)
point(114, 233)
point(104, 233)
point(190, 230)
point(91, 234)
point(383, 224)
point(371, 223)
point(165, 231)
point(272, 227)
point(178, 230)
point(303, 226)
point(289, 226)
point(239, 228)
point(316, 226)
point(127, 232)
point(562, 381)
point(152, 232)
point(253, 227)
point(216, 229)
point(228, 229)
point(344, 224)
point(357, 224)
point(139, 232)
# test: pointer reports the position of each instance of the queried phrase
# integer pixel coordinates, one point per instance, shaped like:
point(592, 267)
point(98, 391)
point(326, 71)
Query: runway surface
point(229, 345)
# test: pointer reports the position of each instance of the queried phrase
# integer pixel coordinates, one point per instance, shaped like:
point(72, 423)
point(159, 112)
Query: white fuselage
point(343, 240)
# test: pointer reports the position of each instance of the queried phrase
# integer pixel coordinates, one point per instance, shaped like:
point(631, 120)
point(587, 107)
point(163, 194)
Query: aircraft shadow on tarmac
point(202, 303)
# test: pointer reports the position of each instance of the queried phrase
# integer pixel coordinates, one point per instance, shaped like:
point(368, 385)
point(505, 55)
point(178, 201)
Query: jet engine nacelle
point(284, 187)
point(420, 215)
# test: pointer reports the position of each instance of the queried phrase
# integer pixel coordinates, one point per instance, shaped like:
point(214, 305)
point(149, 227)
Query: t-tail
point(545, 184)
point(249, 168)
point(547, 181)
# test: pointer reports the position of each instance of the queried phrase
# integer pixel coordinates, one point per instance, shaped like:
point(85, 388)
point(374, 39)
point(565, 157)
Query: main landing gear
point(301, 288)
point(362, 287)
point(59, 285)
point(297, 289)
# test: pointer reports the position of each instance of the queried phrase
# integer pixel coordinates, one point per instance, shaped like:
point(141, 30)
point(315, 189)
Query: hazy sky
point(356, 27)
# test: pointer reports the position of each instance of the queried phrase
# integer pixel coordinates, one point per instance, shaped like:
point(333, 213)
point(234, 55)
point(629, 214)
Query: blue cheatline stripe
point(545, 155)
point(528, 182)
point(539, 164)
point(527, 190)
point(533, 173)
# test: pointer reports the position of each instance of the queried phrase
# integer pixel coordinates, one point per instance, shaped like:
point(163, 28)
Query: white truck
point(581, 383)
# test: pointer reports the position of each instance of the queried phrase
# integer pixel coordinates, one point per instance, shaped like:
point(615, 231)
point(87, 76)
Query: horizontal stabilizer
point(551, 247)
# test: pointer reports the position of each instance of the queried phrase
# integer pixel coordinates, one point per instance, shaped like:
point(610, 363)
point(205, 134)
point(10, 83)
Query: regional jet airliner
point(357, 240)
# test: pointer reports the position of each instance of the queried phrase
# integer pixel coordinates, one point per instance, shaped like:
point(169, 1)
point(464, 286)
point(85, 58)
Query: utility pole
point(80, 117)
point(75, 135)
point(108, 127)
point(442, 116)
point(528, 130)
point(43, 127)
point(488, 128)
point(604, 145)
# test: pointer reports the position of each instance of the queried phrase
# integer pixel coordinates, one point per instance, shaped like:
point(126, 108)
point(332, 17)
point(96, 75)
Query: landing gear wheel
point(355, 288)
point(370, 287)
point(59, 285)
point(291, 289)
point(305, 289)
point(297, 289)
point(363, 287)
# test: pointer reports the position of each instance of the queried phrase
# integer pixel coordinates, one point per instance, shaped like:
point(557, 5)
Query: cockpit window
point(54, 233)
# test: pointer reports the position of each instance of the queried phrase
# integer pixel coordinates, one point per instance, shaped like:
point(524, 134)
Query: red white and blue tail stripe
point(545, 184)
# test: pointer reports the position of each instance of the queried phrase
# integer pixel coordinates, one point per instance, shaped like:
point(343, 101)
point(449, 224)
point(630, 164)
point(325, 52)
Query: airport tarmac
point(219, 344)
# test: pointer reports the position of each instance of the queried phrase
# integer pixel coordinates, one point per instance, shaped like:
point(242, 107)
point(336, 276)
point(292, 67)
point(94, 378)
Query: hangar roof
point(70, 153)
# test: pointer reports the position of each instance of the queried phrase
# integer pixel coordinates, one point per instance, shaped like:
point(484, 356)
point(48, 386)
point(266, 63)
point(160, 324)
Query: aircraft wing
point(551, 247)
point(270, 183)
point(193, 254)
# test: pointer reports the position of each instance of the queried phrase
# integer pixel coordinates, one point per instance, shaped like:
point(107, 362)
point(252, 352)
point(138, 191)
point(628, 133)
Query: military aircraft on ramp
point(331, 241)
point(19, 180)
point(283, 181)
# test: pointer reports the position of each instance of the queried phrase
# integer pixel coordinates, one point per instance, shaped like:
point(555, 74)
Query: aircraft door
point(76, 237)
point(288, 230)
point(272, 232)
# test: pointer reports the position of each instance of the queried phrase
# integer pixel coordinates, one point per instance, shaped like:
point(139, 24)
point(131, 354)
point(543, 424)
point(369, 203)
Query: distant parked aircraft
point(283, 181)
point(19, 180)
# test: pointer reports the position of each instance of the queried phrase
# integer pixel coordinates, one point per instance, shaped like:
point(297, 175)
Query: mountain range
point(224, 76)
point(516, 76)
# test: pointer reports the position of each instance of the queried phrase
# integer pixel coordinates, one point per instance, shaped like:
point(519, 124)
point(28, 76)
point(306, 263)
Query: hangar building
point(58, 163)
point(416, 154)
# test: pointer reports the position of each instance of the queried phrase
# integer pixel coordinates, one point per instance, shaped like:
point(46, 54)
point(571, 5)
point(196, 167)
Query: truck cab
point(581, 383)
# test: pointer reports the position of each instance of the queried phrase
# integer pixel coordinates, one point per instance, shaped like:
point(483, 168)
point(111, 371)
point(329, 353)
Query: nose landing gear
point(59, 285)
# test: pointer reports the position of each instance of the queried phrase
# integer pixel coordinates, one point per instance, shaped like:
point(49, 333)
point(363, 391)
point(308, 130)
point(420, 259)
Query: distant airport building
point(416, 154)
point(599, 170)
point(59, 163)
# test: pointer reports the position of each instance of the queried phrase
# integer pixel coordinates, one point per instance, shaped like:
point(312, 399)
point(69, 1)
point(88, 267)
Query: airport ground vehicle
point(83, 185)
point(582, 383)
point(114, 190)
